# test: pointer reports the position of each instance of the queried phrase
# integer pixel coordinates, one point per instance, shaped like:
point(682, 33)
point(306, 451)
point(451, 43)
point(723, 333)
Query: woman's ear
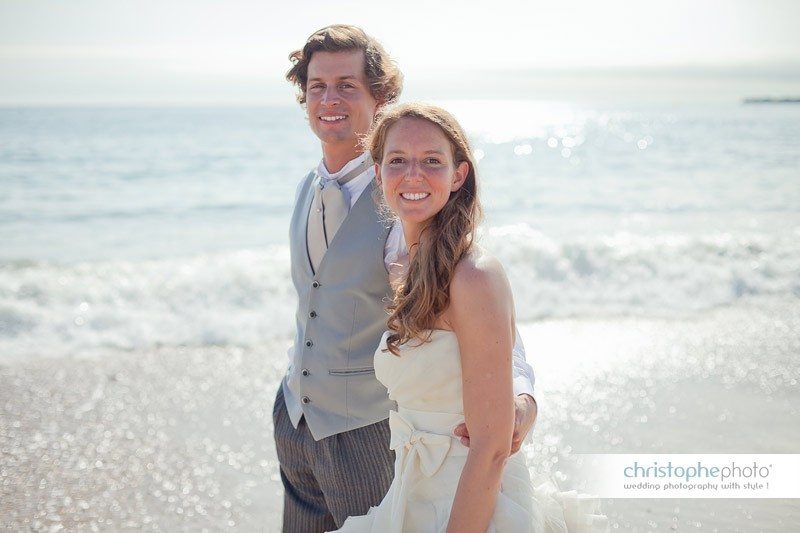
point(460, 176)
point(378, 173)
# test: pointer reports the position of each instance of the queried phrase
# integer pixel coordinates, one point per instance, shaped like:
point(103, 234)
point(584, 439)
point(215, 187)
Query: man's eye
point(316, 86)
point(346, 86)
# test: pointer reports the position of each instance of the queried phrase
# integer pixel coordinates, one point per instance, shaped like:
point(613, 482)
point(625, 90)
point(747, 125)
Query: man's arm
point(525, 407)
point(523, 372)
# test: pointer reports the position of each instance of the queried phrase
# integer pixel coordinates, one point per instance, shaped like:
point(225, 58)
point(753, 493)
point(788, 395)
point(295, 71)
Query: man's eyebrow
point(340, 78)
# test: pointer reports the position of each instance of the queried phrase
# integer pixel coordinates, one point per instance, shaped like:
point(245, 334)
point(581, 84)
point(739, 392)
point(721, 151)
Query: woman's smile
point(414, 196)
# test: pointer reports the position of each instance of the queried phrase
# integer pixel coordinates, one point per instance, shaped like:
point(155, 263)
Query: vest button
point(305, 372)
point(312, 314)
point(305, 399)
point(315, 284)
point(309, 343)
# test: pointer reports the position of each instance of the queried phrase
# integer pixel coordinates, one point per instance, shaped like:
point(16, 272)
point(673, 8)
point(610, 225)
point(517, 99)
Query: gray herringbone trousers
point(328, 480)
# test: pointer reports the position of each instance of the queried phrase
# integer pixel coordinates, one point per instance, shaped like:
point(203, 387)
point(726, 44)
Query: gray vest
point(340, 318)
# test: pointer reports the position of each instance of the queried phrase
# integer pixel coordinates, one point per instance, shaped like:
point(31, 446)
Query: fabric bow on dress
point(409, 442)
point(418, 453)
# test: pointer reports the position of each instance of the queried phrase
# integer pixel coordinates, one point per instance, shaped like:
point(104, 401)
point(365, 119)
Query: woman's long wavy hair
point(424, 294)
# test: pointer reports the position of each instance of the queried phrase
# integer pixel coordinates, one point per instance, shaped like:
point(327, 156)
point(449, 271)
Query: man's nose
point(330, 96)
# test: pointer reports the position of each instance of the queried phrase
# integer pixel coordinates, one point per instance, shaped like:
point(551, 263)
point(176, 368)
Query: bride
point(446, 358)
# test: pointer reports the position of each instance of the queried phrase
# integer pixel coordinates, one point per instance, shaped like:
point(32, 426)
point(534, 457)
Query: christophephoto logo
point(693, 476)
point(698, 475)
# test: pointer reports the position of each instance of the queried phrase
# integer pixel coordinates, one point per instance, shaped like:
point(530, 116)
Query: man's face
point(338, 100)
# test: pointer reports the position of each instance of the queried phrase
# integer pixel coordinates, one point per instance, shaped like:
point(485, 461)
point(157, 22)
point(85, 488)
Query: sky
point(235, 51)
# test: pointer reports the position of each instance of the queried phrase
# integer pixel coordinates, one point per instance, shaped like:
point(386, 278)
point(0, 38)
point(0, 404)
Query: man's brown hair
point(384, 78)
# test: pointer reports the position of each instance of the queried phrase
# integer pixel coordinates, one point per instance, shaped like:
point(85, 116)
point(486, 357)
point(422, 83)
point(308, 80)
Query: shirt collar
point(353, 163)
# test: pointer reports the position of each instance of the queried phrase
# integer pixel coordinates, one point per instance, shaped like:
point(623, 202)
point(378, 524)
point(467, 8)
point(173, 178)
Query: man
point(331, 413)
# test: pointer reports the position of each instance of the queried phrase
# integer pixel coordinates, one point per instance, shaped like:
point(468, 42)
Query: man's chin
point(337, 137)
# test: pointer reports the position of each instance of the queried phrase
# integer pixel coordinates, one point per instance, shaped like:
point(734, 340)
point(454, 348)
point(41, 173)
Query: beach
point(146, 304)
point(181, 439)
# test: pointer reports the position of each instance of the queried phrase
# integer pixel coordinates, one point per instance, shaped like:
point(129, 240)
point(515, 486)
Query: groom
point(331, 413)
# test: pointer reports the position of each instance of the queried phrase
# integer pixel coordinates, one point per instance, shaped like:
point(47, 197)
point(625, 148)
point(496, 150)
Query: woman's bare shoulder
point(479, 275)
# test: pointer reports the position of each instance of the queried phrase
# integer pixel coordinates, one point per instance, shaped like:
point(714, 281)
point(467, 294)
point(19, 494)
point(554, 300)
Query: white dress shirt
point(396, 247)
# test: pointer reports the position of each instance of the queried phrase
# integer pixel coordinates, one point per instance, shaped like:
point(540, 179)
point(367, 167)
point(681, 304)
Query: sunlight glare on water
point(500, 121)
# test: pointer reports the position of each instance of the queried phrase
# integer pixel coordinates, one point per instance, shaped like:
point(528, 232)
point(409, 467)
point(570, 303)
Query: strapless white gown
point(425, 381)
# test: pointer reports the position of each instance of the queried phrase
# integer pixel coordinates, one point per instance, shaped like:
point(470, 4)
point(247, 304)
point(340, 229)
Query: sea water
point(128, 228)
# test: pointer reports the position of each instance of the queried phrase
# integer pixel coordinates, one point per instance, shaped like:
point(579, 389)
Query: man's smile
point(332, 118)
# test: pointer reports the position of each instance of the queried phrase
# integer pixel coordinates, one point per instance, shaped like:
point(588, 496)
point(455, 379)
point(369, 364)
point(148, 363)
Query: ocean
point(133, 228)
point(653, 251)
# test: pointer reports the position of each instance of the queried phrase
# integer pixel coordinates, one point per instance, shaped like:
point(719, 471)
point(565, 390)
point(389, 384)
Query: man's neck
point(336, 157)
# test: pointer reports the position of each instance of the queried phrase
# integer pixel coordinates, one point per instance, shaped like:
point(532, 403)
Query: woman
point(447, 356)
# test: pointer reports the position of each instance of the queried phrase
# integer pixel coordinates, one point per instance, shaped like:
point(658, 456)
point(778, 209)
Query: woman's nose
point(414, 171)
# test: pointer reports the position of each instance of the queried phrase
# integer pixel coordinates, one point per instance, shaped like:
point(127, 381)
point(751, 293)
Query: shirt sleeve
point(395, 245)
point(523, 372)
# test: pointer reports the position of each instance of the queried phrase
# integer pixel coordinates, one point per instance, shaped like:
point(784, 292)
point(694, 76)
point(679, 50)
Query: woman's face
point(418, 173)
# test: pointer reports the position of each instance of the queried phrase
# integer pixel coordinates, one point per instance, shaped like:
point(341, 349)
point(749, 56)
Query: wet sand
point(176, 439)
point(181, 438)
point(720, 382)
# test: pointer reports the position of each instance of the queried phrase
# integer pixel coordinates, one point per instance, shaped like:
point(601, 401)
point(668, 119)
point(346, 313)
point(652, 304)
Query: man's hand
point(525, 411)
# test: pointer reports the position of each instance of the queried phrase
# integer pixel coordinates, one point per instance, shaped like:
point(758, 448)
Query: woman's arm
point(525, 408)
point(481, 314)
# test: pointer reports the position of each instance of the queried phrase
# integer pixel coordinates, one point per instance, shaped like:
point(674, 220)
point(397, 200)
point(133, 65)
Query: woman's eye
point(432, 161)
point(395, 160)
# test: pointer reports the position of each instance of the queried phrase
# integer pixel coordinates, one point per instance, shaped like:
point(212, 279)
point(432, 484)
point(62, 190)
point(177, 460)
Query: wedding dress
point(425, 381)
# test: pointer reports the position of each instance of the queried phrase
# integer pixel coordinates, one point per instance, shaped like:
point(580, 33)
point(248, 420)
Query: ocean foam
point(632, 274)
point(245, 298)
point(240, 298)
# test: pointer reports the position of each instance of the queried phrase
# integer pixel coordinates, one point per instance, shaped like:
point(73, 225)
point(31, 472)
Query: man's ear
point(460, 176)
point(378, 108)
